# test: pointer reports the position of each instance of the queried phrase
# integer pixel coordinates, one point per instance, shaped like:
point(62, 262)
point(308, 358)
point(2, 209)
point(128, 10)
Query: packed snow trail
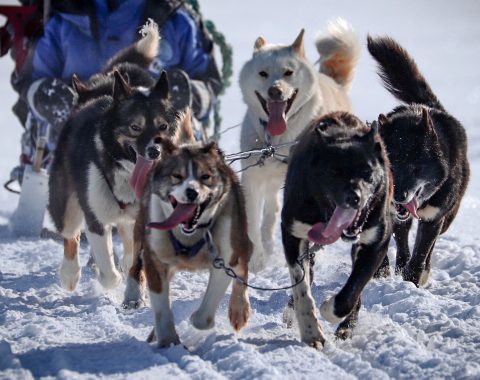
point(403, 332)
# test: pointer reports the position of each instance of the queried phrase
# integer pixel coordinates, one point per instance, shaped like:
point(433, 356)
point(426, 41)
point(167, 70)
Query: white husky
point(284, 93)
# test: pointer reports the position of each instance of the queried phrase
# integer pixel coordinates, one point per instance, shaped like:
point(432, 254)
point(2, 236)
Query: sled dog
point(101, 164)
point(428, 151)
point(192, 210)
point(284, 93)
point(338, 185)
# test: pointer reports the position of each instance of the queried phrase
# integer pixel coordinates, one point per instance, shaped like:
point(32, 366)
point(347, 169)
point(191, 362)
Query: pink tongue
point(140, 175)
point(412, 207)
point(180, 214)
point(330, 233)
point(276, 124)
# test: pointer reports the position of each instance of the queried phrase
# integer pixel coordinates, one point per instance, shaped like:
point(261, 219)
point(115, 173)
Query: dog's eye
point(135, 128)
point(163, 127)
point(288, 73)
point(205, 177)
point(263, 74)
point(177, 176)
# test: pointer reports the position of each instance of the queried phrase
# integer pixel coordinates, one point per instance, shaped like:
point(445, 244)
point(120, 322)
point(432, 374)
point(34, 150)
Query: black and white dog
point(338, 185)
point(104, 155)
point(427, 148)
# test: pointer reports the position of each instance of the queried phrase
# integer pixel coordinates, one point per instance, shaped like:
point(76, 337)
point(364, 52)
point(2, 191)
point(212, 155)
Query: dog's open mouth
point(185, 214)
point(277, 113)
point(328, 233)
point(404, 210)
point(352, 232)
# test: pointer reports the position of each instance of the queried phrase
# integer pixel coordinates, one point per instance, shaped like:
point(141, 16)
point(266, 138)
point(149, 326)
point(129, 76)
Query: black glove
point(51, 100)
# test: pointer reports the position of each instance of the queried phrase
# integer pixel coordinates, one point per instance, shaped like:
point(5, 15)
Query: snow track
point(403, 332)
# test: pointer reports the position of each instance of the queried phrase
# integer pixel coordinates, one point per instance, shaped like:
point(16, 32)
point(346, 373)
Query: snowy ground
point(403, 332)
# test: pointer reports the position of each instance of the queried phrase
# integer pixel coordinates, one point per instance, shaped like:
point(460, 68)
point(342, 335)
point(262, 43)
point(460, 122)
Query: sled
point(27, 220)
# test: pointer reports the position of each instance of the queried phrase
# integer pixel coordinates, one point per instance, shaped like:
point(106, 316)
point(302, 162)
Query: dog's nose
point(353, 199)
point(275, 93)
point(401, 196)
point(153, 152)
point(191, 194)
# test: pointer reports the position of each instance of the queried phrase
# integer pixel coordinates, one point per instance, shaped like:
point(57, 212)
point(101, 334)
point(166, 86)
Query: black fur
point(427, 148)
point(326, 169)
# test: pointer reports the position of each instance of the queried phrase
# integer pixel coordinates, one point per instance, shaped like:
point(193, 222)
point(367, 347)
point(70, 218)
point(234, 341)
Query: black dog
point(428, 151)
point(338, 185)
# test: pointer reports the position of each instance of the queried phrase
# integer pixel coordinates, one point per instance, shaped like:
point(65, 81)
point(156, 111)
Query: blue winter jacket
point(68, 47)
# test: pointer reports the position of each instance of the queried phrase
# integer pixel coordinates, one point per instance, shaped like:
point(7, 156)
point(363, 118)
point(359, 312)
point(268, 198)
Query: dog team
point(127, 158)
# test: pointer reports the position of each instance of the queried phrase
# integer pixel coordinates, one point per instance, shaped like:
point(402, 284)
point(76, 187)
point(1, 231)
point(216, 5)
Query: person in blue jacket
point(81, 36)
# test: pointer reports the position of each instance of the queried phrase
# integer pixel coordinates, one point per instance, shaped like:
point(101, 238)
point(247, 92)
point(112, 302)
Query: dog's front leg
point(158, 281)
point(270, 213)
point(125, 230)
point(70, 269)
point(418, 268)
point(253, 185)
point(239, 307)
point(102, 250)
point(304, 305)
point(204, 317)
point(401, 231)
point(368, 259)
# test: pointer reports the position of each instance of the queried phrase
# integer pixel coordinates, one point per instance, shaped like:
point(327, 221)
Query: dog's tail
point(339, 50)
point(142, 52)
point(400, 74)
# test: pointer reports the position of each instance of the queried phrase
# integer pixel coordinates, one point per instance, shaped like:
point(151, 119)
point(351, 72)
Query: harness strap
point(181, 250)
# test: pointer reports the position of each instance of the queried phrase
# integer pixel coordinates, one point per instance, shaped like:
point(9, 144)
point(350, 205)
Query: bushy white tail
point(148, 45)
point(339, 50)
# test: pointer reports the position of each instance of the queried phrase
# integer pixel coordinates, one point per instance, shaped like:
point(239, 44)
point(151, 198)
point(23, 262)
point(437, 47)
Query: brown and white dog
point(192, 211)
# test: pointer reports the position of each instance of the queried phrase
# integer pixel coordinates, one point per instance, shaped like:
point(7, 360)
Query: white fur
point(317, 94)
point(164, 323)
point(428, 213)
point(70, 273)
point(204, 317)
point(424, 277)
point(102, 252)
point(148, 45)
point(328, 313)
point(369, 236)
point(310, 330)
point(300, 229)
point(134, 296)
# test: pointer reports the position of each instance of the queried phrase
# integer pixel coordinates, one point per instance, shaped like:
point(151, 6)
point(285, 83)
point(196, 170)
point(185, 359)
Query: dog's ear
point(121, 89)
point(161, 87)
point(382, 120)
point(427, 123)
point(260, 42)
point(210, 148)
point(78, 85)
point(298, 46)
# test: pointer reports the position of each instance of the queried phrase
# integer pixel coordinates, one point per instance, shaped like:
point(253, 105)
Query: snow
point(403, 332)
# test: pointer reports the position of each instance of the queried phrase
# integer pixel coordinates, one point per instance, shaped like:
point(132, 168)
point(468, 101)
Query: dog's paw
point(424, 277)
point(126, 264)
point(327, 310)
point(110, 280)
point(170, 340)
point(314, 338)
point(134, 296)
point(344, 332)
point(70, 274)
point(288, 316)
point(239, 313)
point(201, 321)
